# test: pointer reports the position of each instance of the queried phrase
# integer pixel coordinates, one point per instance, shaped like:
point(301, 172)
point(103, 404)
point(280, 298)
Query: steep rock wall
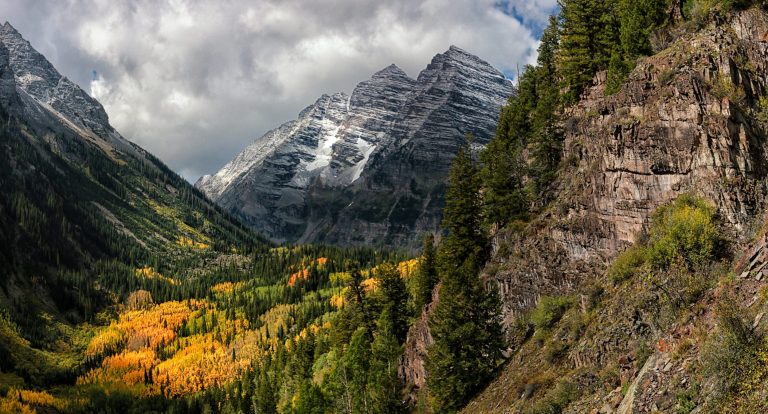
point(683, 122)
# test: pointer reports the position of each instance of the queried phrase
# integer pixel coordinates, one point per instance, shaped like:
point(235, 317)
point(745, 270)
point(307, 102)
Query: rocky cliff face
point(690, 119)
point(683, 122)
point(7, 82)
point(367, 168)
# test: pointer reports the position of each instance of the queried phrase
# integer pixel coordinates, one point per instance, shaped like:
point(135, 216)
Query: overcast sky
point(195, 81)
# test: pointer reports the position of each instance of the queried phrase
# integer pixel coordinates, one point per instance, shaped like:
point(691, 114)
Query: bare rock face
point(412, 365)
point(683, 123)
point(8, 95)
point(51, 101)
point(368, 168)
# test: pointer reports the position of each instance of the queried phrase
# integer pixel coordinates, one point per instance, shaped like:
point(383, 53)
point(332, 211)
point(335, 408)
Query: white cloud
point(195, 81)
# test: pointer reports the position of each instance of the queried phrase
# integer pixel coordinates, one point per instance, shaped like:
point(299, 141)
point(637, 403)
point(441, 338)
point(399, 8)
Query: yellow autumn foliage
point(148, 272)
point(407, 267)
point(106, 341)
point(189, 243)
point(226, 287)
point(27, 401)
point(190, 363)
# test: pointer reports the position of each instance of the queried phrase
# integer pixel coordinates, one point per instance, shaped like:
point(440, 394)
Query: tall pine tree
point(465, 324)
point(513, 184)
point(589, 34)
point(462, 214)
point(394, 298)
point(466, 327)
point(426, 275)
point(545, 119)
point(505, 197)
point(384, 386)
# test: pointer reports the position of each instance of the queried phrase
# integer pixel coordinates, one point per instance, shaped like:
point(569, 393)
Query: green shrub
point(549, 310)
point(682, 231)
point(555, 350)
point(761, 112)
point(700, 12)
point(627, 264)
point(556, 400)
point(686, 401)
point(666, 76)
point(732, 355)
point(618, 71)
point(643, 353)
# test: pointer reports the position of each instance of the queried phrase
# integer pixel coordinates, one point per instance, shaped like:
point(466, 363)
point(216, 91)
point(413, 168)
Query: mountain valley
point(592, 238)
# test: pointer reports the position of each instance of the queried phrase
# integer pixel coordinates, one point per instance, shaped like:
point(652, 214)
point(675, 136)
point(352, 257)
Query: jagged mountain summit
point(368, 168)
point(45, 97)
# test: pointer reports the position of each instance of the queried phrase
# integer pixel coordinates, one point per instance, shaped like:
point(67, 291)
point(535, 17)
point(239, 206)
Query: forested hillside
point(605, 252)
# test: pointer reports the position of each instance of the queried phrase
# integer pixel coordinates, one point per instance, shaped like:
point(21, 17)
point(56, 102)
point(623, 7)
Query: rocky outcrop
point(683, 122)
point(368, 168)
point(412, 365)
point(8, 95)
point(52, 102)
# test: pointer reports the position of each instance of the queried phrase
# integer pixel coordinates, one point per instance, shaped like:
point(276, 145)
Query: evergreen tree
point(618, 69)
point(350, 377)
point(530, 122)
point(462, 215)
point(589, 35)
point(395, 299)
point(425, 278)
point(359, 312)
point(546, 134)
point(466, 327)
point(465, 324)
point(384, 386)
point(310, 399)
point(504, 170)
point(638, 19)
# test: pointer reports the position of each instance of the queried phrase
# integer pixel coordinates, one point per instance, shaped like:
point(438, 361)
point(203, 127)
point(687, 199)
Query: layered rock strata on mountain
point(52, 102)
point(368, 168)
point(684, 122)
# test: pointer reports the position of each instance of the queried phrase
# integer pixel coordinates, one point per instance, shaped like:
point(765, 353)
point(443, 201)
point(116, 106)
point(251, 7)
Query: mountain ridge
point(78, 197)
point(336, 153)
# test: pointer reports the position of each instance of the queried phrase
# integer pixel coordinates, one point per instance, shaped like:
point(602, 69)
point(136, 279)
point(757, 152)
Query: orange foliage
point(302, 274)
point(157, 324)
point(129, 359)
point(370, 284)
point(320, 262)
point(203, 363)
point(190, 364)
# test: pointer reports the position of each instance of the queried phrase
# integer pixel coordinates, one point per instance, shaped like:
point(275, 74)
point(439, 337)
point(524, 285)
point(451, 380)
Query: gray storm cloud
point(196, 81)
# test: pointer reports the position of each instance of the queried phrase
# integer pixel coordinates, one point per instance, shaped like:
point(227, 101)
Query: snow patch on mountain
point(390, 136)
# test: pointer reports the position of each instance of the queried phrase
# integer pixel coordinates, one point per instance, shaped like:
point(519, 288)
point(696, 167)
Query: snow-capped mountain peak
point(302, 180)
